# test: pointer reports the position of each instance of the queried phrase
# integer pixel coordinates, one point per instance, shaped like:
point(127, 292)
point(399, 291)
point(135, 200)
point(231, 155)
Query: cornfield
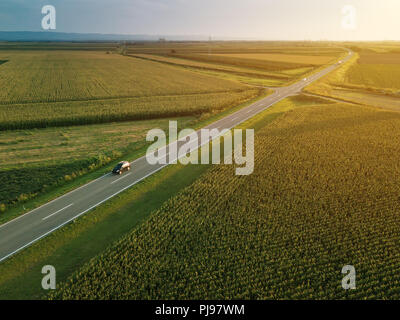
point(42, 115)
point(57, 76)
point(324, 194)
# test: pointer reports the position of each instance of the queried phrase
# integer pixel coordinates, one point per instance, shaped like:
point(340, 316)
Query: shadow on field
point(3, 61)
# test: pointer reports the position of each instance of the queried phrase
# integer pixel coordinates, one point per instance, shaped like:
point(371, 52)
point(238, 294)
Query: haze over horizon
point(234, 19)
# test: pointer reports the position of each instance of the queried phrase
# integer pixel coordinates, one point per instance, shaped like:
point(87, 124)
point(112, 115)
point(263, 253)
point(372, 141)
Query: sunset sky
point(250, 19)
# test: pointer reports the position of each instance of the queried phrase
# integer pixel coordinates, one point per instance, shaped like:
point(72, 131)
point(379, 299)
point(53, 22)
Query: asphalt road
point(36, 224)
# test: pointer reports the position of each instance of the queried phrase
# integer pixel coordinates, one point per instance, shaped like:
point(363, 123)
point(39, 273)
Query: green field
point(324, 194)
point(43, 115)
point(33, 162)
point(376, 70)
point(65, 108)
point(61, 88)
point(53, 76)
point(370, 78)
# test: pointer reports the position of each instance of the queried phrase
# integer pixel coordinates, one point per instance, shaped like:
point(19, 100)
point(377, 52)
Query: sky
point(239, 19)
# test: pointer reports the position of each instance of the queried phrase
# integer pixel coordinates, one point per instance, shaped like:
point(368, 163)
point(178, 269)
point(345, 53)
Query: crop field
point(264, 63)
point(377, 70)
point(58, 88)
point(370, 78)
point(39, 76)
point(212, 67)
point(245, 61)
point(290, 58)
point(18, 147)
point(305, 48)
point(33, 161)
point(324, 194)
point(93, 97)
point(42, 115)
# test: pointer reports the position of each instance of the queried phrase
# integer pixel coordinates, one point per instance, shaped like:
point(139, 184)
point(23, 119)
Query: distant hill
point(27, 36)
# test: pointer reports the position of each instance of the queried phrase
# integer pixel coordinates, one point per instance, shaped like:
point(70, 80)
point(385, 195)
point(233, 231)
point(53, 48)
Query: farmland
point(269, 64)
point(63, 109)
point(35, 161)
point(56, 76)
point(59, 88)
point(288, 58)
point(380, 70)
point(42, 115)
point(324, 194)
point(371, 78)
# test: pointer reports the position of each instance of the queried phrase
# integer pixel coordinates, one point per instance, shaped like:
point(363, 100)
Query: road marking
point(127, 175)
point(58, 198)
point(78, 215)
point(235, 118)
point(57, 211)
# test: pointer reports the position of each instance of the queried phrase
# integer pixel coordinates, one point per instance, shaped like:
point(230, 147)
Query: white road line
point(113, 195)
point(58, 198)
point(57, 211)
point(78, 215)
point(235, 118)
point(104, 200)
point(127, 175)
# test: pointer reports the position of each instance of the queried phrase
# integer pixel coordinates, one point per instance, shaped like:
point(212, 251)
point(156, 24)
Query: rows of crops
point(213, 67)
point(324, 194)
point(265, 65)
point(33, 162)
point(370, 77)
point(377, 75)
point(290, 58)
point(45, 88)
point(279, 47)
point(41, 115)
point(37, 76)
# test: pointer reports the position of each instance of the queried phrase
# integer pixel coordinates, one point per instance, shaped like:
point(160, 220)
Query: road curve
point(40, 222)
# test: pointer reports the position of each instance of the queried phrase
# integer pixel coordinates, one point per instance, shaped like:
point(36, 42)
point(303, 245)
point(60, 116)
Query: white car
point(305, 79)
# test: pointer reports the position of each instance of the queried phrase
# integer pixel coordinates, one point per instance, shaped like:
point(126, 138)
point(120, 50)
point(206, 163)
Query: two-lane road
point(36, 224)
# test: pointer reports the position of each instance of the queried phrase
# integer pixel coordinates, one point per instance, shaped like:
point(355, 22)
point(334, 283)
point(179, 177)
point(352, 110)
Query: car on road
point(305, 79)
point(121, 167)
